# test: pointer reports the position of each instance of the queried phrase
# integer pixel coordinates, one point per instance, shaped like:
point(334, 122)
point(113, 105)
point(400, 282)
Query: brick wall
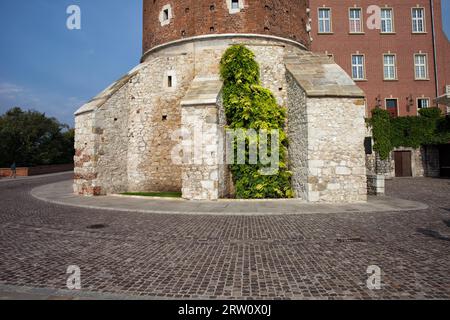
point(20, 172)
point(443, 50)
point(284, 18)
point(372, 44)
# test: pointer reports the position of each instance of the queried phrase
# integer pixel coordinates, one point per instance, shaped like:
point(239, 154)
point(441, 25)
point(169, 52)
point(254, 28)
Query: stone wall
point(226, 183)
point(131, 128)
point(154, 117)
point(125, 137)
point(326, 129)
point(336, 157)
point(378, 166)
point(298, 137)
point(204, 56)
point(417, 161)
point(326, 147)
point(111, 136)
point(376, 185)
point(85, 171)
point(432, 161)
point(424, 162)
point(203, 165)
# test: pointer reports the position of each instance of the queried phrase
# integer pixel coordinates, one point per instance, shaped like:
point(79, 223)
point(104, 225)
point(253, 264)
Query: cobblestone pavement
point(175, 256)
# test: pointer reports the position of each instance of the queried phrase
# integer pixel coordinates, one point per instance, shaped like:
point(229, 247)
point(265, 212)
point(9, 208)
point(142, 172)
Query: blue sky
point(46, 67)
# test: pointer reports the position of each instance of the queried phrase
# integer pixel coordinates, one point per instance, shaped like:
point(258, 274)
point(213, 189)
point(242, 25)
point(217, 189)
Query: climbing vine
point(429, 128)
point(249, 106)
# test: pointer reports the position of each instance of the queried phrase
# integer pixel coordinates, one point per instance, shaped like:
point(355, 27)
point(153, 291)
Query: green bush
point(250, 106)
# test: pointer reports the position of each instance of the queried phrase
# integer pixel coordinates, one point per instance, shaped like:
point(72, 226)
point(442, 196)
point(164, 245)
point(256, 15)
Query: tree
point(29, 138)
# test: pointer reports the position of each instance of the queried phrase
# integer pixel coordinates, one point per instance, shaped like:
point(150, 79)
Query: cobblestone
point(322, 256)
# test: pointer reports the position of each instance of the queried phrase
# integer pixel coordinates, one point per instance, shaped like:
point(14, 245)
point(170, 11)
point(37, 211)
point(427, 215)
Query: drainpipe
point(433, 31)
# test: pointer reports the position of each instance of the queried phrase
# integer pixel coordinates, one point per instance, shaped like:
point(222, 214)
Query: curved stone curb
point(14, 292)
point(61, 193)
point(21, 179)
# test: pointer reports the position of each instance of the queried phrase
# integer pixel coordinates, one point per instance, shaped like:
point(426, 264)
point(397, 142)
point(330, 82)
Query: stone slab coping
point(104, 96)
point(61, 193)
point(203, 91)
point(320, 76)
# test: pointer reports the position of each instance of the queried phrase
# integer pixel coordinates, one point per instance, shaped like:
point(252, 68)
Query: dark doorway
point(444, 160)
point(403, 164)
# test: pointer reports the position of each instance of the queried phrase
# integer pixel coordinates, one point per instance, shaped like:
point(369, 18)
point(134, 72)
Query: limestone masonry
point(139, 134)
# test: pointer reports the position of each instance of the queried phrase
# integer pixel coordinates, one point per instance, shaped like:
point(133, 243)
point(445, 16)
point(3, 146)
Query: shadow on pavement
point(433, 234)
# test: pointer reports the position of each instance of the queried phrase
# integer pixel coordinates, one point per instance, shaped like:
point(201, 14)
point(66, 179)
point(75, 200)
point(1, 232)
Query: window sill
point(390, 80)
point(424, 32)
point(360, 80)
point(388, 33)
point(357, 33)
point(421, 79)
point(324, 33)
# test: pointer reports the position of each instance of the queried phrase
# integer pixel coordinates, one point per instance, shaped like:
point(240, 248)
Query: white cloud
point(10, 89)
point(53, 104)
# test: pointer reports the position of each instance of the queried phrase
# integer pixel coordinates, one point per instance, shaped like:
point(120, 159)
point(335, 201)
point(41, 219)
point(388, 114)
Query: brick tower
point(134, 135)
point(170, 20)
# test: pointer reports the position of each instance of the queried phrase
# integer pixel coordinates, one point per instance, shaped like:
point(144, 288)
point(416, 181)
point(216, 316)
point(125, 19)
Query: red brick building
point(396, 51)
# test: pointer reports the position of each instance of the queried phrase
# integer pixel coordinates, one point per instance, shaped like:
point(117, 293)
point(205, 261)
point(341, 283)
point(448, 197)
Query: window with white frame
point(165, 15)
point(324, 20)
point(170, 80)
point(387, 20)
point(421, 66)
point(423, 103)
point(235, 6)
point(390, 68)
point(358, 67)
point(418, 20)
point(355, 16)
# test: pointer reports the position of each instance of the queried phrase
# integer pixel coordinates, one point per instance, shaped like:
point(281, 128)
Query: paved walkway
point(61, 193)
point(299, 256)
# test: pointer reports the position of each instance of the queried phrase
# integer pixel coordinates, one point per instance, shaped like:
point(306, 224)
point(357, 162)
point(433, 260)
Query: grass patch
point(154, 194)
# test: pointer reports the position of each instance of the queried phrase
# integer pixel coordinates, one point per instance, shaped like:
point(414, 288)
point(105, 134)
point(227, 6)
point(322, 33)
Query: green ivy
point(429, 128)
point(248, 105)
point(381, 130)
